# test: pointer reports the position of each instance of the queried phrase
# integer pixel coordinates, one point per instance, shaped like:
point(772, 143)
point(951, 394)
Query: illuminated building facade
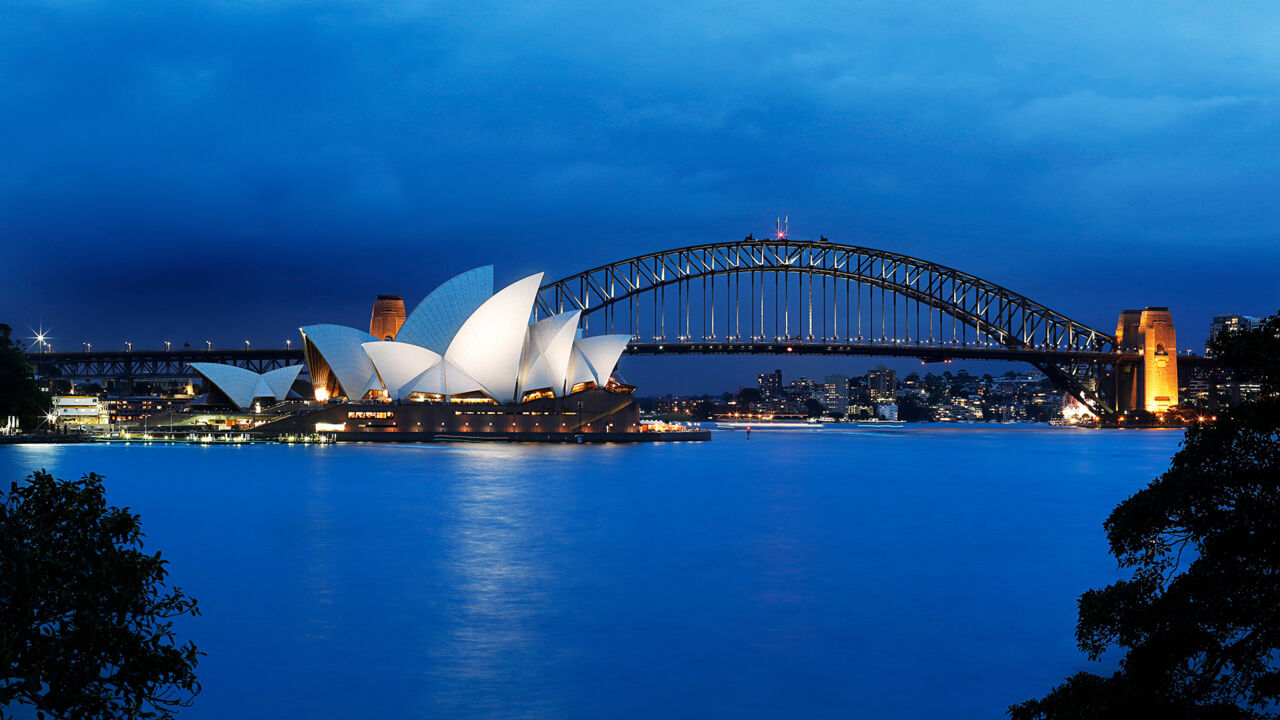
point(463, 343)
point(79, 410)
point(466, 362)
point(388, 316)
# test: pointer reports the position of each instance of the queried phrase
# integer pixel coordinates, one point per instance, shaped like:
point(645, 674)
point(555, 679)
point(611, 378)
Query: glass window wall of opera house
point(466, 360)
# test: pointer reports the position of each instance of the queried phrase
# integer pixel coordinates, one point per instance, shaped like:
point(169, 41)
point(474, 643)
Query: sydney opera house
point(466, 361)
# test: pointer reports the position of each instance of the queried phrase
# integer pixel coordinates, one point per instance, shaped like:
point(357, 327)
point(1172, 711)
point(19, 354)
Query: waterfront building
point(79, 410)
point(463, 343)
point(887, 411)
point(140, 407)
point(243, 388)
point(466, 361)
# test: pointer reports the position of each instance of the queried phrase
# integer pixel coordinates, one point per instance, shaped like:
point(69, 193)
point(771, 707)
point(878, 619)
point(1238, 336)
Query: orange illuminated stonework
point(1159, 360)
point(1152, 384)
point(388, 316)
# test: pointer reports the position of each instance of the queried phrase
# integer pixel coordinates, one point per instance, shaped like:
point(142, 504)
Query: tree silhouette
point(86, 620)
point(19, 394)
point(1199, 619)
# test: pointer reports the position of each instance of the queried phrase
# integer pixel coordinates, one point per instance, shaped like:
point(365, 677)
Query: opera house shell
point(242, 387)
point(463, 343)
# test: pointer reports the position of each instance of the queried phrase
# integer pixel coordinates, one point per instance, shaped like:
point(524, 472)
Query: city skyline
point(182, 176)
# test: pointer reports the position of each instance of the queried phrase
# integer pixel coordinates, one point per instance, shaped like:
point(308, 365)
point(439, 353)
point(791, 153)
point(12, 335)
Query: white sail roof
point(594, 358)
point(340, 346)
point(443, 378)
point(279, 381)
point(548, 345)
point(487, 346)
point(398, 363)
point(436, 319)
point(242, 386)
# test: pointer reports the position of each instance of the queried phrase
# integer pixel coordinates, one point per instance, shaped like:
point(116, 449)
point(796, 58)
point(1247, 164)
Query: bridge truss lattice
point(820, 297)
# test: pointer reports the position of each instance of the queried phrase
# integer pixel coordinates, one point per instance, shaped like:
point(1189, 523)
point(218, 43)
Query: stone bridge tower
point(1152, 383)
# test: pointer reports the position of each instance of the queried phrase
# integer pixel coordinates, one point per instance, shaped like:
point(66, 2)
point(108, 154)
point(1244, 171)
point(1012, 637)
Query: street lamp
point(208, 345)
point(288, 344)
point(88, 346)
point(246, 344)
point(128, 346)
point(168, 346)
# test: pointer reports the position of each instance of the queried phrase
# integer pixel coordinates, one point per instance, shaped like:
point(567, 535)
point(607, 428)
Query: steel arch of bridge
point(766, 303)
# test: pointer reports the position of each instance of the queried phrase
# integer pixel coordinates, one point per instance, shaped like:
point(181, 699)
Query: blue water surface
point(919, 572)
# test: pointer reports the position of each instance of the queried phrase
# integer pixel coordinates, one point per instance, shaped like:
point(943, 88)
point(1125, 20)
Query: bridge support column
point(1151, 381)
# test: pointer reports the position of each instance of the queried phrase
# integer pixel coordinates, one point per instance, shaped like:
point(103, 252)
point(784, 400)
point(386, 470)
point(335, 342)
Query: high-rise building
point(833, 394)
point(771, 384)
point(882, 383)
point(388, 316)
point(802, 387)
point(1224, 324)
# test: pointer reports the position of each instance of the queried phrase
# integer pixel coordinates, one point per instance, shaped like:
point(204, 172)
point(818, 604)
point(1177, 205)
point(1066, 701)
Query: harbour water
point(914, 572)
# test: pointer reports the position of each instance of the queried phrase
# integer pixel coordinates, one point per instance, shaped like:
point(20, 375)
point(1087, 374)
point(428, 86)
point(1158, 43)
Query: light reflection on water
point(913, 572)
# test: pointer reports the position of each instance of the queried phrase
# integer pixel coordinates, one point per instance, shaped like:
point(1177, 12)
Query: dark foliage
point(18, 392)
point(1253, 355)
point(86, 620)
point(1199, 619)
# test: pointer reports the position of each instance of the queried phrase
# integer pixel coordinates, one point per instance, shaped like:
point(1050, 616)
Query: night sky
point(229, 171)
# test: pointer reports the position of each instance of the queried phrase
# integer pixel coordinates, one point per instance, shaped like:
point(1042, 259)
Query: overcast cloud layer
point(231, 170)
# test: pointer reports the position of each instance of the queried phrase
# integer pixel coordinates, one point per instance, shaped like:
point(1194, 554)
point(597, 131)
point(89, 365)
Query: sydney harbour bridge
point(774, 296)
